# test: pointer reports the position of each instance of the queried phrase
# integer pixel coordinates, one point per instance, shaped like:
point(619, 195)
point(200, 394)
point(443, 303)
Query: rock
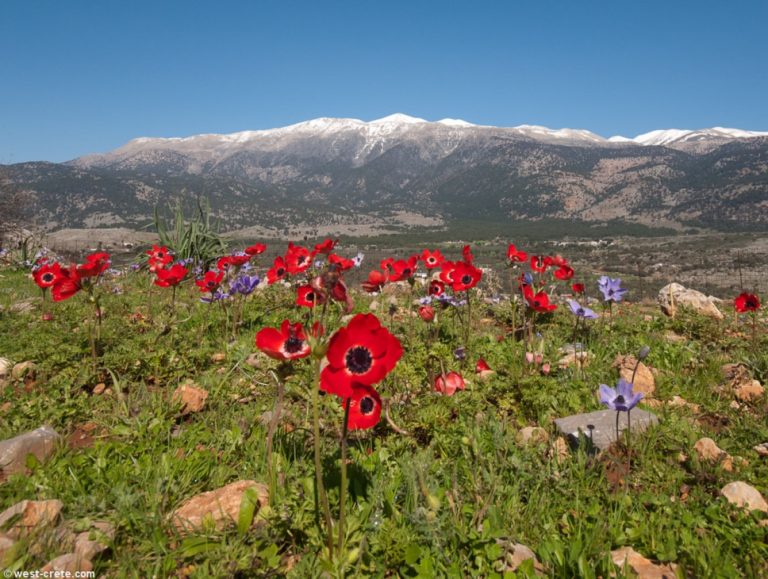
point(532, 435)
point(578, 359)
point(88, 548)
point(628, 558)
point(192, 398)
point(708, 451)
point(253, 360)
point(735, 405)
point(737, 372)
point(761, 449)
point(674, 338)
point(743, 495)
point(5, 367)
point(24, 371)
point(33, 515)
point(644, 380)
point(674, 295)
point(599, 427)
point(68, 565)
point(23, 306)
point(519, 555)
point(218, 357)
point(99, 388)
point(221, 507)
point(679, 402)
point(749, 391)
point(559, 449)
point(6, 544)
point(374, 305)
point(13, 452)
point(515, 554)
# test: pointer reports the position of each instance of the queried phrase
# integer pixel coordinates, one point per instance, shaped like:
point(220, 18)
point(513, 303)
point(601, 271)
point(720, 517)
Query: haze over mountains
point(401, 171)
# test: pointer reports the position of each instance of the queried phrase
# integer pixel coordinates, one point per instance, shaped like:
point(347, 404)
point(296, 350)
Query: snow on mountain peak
point(454, 123)
point(397, 119)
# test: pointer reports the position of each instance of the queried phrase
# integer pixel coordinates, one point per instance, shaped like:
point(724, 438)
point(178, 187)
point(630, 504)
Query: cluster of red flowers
point(358, 356)
point(532, 287)
point(65, 282)
point(459, 275)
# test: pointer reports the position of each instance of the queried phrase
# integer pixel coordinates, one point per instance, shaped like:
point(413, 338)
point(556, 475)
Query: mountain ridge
point(399, 171)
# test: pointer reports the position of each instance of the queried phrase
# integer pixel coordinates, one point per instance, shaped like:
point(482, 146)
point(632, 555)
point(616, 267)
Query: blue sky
point(86, 76)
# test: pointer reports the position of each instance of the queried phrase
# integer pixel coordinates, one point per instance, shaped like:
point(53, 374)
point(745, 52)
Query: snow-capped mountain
point(373, 135)
point(314, 171)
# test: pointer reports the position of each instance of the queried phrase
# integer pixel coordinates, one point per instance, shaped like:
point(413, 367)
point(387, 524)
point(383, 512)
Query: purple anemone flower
point(244, 285)
point(622, 399)
point(425, 301)
point(581, 311)
point(358, 259)
point(218, 295)
point(611, 288)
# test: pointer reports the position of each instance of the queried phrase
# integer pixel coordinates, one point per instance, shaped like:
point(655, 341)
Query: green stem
point(319, 487)
point(343, 489)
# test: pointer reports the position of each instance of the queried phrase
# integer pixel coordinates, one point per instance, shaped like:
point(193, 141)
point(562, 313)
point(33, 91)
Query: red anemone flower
point(514, 254)
point(47, 275)
point(95, 264)
point(467, 254)
point(364, 407)
point(341, 263)
point(427, 313)
point(255, 249)
point(308, 297)
point(557, 260)
point(67, 285)
point(539, 264)
point(538, 302)
point(403, 269)
point(386, 265)
point(232, 261)
point(297, 259)
point(156, 263)
point(565, 272)
point(277, 271)
point(578, 288)
point(746, 302)
point(375, 281)
point(363, 352)
point(447, 384)
point(158, 253)
point(287, 343)
point(436, 288)
point(171, 276)
point(326, 246)
point(465, 276)
point(210, 282)
point(447, 269)
point(482, 369)
point(432, 259)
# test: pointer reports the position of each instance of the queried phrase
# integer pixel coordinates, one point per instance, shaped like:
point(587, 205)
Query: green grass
point(446, 500)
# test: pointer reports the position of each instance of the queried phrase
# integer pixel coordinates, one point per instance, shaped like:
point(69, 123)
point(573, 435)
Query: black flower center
point(301, 259)
point(310, 297)
point(280, 272)
point(751, 303)
point(359, 360)
point(407, 271)
point(367, 404)
point(620, 399)
point(210, 284)
point(466, 279)
point(47, 277)
point(293, 345)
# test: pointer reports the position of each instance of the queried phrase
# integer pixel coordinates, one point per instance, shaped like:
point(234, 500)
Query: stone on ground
point(673, 296)
point(743, 495)
point(221, 507)
point(192, 398)
point(600, 426)
point(68, 565)
point(29, 516)
point(644, 568)
point(14, 451)
point(532, 435)
point(708, 451)
point(644, 380)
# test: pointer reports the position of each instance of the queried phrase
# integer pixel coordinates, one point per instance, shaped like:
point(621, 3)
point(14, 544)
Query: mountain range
point(398, 172)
